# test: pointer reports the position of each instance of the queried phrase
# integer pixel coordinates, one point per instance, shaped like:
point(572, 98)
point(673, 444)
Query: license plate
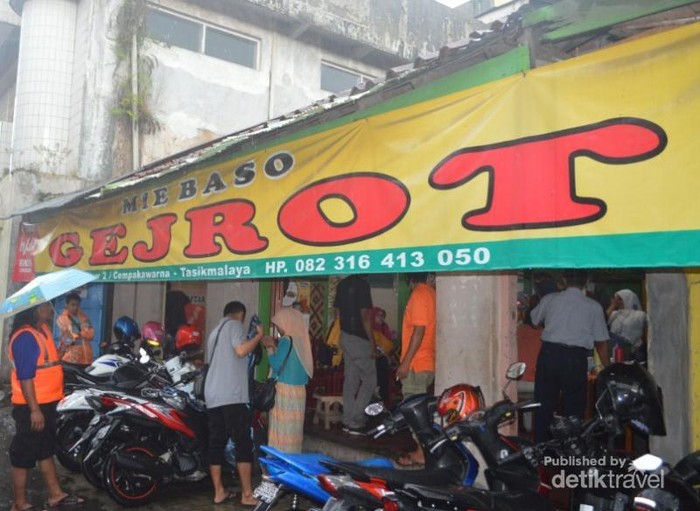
point(266, 492)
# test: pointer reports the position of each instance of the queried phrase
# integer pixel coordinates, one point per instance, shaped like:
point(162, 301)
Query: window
point(201, 38)
point(174, 30)
point(226, 46)
point(335, 79)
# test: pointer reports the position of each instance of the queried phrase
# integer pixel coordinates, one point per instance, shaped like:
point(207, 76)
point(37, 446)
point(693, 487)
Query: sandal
point(407, 460)
point(70, 500)
point(228, 498)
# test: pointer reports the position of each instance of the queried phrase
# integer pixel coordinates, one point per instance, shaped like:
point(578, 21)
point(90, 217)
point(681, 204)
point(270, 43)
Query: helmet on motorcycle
point(458, 401)
point(153, 333)
point(627, 392)
point(188, 337)
point(126, 330)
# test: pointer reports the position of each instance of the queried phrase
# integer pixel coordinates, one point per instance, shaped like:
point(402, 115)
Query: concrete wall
point(668, 312)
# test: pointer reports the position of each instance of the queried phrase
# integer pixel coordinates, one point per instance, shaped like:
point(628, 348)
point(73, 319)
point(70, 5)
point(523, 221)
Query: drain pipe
point(135, 148)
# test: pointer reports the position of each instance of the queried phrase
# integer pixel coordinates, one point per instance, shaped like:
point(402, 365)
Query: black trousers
point(561, 373)
point(230, 421)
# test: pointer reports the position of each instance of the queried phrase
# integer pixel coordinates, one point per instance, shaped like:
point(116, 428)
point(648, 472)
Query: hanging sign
point(589, 162)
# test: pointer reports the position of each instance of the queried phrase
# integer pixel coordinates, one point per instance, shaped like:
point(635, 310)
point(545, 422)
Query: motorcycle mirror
point(647, 463)
point(516, 370)
point(374, 409)
point(144, 356)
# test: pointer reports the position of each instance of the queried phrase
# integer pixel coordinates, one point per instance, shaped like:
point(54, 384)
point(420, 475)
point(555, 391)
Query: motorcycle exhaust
point(141, 463)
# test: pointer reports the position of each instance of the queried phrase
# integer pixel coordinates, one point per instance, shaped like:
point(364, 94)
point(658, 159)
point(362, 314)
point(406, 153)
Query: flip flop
point(68, 502)
point(228, 498)
point(28, 508)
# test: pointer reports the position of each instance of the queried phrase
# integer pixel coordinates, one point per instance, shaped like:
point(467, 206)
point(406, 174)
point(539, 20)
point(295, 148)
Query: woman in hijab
point(286, 431)
point(627, 323)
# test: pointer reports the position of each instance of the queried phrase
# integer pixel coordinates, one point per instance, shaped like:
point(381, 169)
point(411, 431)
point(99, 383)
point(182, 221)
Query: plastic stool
point(328, 408)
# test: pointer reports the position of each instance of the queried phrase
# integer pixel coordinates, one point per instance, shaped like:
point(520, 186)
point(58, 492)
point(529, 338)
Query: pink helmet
point(153, 333)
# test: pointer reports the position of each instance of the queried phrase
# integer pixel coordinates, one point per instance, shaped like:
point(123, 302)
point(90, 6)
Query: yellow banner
point(590, 162)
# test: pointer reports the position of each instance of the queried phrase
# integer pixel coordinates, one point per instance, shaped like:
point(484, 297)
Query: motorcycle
point(481, 426)
point(627, 396)
point(75, 412)
point(298, 473)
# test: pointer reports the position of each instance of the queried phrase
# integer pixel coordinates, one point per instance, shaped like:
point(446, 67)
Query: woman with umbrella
point(37, 386)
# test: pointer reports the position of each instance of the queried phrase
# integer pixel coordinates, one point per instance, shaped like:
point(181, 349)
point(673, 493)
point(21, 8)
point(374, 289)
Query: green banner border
point(612, 251)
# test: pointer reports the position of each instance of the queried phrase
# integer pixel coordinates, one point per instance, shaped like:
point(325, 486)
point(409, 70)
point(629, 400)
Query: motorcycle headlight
point(178, 402)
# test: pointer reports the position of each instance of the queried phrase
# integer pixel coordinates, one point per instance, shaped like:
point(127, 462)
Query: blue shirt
point(25, 352)
point(293, 372)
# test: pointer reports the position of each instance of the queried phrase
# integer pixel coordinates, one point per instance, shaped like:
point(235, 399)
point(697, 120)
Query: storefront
point(496, 168)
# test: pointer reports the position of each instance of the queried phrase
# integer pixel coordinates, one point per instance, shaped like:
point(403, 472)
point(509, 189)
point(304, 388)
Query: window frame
point(205, 26)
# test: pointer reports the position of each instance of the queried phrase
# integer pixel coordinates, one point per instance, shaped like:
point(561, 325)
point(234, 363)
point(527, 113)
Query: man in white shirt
point(573, 325)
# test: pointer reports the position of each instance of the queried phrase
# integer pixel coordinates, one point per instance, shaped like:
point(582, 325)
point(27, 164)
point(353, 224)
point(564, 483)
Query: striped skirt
point(286, 431)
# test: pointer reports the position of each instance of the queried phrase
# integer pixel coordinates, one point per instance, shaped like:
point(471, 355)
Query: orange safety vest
point(48, 381)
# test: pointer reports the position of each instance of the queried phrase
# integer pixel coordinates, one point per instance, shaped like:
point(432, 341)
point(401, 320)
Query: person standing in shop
point(227, 398)
point(353, 302)
point(76, 332)
point(417, 368)
point(573, 325)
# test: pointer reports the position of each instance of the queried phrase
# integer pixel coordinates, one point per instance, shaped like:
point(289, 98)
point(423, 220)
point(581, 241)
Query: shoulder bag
point(262, 393)
point(201, 378)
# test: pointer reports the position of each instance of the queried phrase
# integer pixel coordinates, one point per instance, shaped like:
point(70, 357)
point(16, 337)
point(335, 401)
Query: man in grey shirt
point(573, 325)
point(226, 396)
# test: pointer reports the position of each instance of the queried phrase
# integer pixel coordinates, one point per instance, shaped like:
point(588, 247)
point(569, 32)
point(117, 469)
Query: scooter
point(298, 473)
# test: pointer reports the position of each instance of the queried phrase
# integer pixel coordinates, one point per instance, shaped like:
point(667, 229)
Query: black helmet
point(629, 393)
point(126, 330)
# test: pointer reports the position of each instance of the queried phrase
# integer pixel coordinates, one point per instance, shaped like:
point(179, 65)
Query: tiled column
point(44, 85)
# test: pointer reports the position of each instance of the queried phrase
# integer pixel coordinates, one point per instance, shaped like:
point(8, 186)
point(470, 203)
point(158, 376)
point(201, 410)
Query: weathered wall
point(406, 28)
point(197, 98)
point(668, 312)
point(143, 301)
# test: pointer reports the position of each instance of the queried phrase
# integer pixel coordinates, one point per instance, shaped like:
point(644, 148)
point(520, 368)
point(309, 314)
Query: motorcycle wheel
point(93, 468)
point(127, 487)
point(69, 431)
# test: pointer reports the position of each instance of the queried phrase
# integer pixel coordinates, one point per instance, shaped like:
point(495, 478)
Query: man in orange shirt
point(417, 368)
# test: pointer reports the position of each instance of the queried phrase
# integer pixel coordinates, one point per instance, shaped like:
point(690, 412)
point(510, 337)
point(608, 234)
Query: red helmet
point(188, 337)
point(458, 401)
point(153, 333)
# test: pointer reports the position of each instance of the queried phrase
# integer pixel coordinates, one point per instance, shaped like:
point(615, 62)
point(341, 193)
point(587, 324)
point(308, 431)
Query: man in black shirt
point(353, 303)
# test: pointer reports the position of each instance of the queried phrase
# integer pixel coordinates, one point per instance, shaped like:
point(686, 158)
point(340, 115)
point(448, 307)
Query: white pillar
point(476, 320)
point(44, 84)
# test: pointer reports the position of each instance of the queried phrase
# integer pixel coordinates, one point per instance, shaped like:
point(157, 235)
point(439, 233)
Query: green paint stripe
point(646, 250)
point(579, 19)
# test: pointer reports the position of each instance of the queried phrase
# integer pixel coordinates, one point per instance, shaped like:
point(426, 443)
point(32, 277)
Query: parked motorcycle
point(75, 412)
point(369, 490)
point(298, 473)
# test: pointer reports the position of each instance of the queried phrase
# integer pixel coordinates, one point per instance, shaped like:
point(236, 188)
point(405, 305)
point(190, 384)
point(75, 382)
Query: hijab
point(630, 300)
point(292, 322)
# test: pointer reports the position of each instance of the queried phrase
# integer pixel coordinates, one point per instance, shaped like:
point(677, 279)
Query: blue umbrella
point(43, 289)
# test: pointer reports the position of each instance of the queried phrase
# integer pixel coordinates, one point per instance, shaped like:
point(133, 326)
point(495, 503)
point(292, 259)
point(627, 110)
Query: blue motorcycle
point(298, 473)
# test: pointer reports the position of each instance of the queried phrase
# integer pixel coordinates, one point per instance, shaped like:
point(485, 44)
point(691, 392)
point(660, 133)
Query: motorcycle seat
point(394, 476)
